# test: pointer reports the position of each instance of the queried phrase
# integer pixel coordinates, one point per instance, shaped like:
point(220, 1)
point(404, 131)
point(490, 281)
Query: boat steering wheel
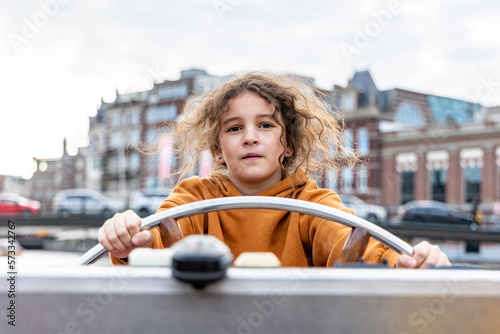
point(361, 228)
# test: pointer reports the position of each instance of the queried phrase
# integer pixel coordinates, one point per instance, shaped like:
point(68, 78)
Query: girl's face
point(251, 144)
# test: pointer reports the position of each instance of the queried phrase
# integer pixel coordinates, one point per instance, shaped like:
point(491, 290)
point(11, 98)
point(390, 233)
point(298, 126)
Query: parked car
point(373, 213)
point(15, 205)
point(145, 202)
point(434, 212)
point(84, 202)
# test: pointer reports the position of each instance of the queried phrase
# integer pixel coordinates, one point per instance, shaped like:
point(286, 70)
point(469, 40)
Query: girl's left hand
point(424, 256)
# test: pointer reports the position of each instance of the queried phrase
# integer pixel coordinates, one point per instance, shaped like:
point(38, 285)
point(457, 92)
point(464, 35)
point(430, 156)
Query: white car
point(84, 202)
point(373, 213)
point(145, 202)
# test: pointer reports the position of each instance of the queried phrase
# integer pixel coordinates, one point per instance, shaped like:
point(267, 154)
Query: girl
point(266, 134)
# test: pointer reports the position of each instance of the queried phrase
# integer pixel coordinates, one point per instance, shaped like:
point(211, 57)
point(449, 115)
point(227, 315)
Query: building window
point(363, 139)
point(407, 187)
point(472, 180)
point(152, 115)
point(116, 120)
point(347, 180)
point(151, 136)
point(446, 110)
point(115, 140)
point(331, 179)
point(151, 182)
point(152, 162)
point(176, 91)
point(134, 161)
point(135, 118)
point(349, 144)
point(102, 142)
point(113, 164)
point(97, 163)
point(409, 114)
point(362, 182)
point(94, 143)
point(348, 102)
point(125, 119)
point(113, 186)
point(157, 114)
point(133, 185)
point(438, 185)
point(135, 136)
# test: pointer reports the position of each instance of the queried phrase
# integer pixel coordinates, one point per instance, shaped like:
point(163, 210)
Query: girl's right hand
point(121, 234)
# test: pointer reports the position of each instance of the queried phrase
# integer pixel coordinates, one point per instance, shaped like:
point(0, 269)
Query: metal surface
point(443, 232)
point(261, 202)
point(125, 299)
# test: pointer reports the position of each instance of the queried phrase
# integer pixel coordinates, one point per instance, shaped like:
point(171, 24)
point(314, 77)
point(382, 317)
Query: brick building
point(418, 146)
point(362, 106)
point(113, 165)
point(137, 122)
point(53, 175)
point(452, 164)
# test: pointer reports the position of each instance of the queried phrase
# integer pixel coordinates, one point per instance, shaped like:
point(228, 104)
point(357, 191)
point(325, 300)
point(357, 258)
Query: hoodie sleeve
point(327, 239)
point(182, 194)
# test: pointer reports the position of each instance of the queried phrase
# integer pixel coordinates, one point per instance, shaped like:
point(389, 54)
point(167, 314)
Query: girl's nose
point(250, 138)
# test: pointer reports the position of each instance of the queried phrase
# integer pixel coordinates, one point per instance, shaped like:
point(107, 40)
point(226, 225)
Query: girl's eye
point(266, 125)
point(233, 129)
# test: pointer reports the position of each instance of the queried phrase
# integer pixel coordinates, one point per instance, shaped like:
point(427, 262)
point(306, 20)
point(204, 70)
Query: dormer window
point(348, 102)
point(407, 113)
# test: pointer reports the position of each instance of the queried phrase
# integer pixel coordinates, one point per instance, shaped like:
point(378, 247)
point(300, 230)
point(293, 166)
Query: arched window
point(409, 114)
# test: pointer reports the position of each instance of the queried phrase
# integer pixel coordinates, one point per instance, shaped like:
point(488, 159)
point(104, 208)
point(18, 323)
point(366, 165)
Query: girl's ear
point(220, 159)
point(288, 152)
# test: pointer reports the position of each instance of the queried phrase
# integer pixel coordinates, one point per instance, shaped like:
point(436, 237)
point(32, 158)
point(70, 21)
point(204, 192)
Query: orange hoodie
point(296, 239)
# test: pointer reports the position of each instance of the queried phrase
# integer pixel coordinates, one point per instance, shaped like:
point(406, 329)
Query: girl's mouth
point(251, 156)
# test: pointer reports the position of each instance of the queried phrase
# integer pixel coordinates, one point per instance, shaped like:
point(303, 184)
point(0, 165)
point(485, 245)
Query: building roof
point(365, 86)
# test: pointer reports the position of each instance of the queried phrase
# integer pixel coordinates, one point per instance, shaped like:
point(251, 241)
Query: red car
point(14, 205)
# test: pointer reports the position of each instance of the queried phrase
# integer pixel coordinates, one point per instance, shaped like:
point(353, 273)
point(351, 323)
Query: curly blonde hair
point(313, 129)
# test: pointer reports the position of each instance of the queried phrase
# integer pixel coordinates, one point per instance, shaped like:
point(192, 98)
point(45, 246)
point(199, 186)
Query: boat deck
point(283, 300)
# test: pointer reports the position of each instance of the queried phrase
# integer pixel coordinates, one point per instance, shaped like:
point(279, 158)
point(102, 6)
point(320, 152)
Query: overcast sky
point(59, 57)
